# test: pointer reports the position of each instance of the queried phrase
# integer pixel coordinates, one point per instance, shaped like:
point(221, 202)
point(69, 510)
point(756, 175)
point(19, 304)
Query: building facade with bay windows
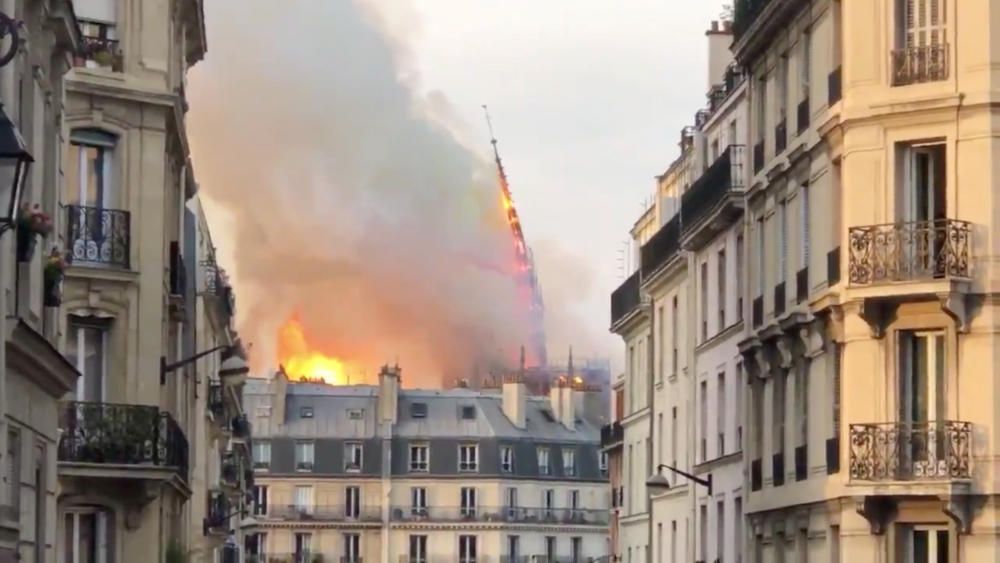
point(379, 473)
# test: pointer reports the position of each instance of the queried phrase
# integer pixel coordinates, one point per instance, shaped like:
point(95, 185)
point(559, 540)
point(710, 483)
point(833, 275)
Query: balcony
point(612, 435)
point(100, 52)
point(217, 516)
point(127, 436)
point(625, 299)
point(911, 451)
point(745, 13)
point(216, 288)
point(907, 252)
point(916, 65)
point(662, 248)
point(230, 472)
point(515, 515)
point(98, 236)
point(322, 513)
point(715, 200)
point(834, 85)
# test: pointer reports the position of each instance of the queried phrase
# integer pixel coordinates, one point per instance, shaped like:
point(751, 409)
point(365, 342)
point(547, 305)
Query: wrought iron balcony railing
point(217, 515)
point(98, 236)
point(708, 193)
point(915, 65)
point(625, 299)
point(520, 515)
point(230, 470)
point(322, 513)
point(663, 247)
point(101, 52)
point(920, 250)
point(911, 451)
point(120, 434)
point(612, 434)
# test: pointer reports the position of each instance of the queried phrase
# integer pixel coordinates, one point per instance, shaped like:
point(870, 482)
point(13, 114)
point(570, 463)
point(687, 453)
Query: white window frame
point(418, 548)
point(602, 463)
point(262, 455)
point(82, 327)
point(468, 458)
point(422, 462)
point(307, 460)
point(507, 459)
point(352, 547)
point(468, 502)
point(352, 502)
point(82, 140)
point(544, 467)
point(103, 524)
point(418, 501)
point(304, 498)
point(569, 462)
point(354, 455)
point(468, 548)
point(260, 500)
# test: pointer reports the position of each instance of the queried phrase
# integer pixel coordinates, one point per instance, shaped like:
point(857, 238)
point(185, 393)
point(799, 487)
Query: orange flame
point(300, 359)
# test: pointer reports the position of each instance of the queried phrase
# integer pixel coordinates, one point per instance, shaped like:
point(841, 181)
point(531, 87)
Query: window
point(256, 544)
point(468, 412)
point(569, 462)
point(738, 529)
point(355, 414)
point(468, 502)
point(782, 85)
point(603, 462)
point(352, 502)
point(418, 549)
point(661, 341)
point(835, 392)
point(673, 436)
point(260, 500)
point(418, 500)
point(89, 171)
point(305, 412)
point(761, 109)
point(513, 548)
point(804, 223)
point(739, 277)
point(738, 405)
point(778, 436)
point(673, 541)
point(721, 294)
point(86, 348)
point(303, 499)
point(720, 530)
point(89, 535)
point(674, 336)
point(802, 404)
point(802, 545)
point(922, 396)
point(921, 23)
point(353, 452)
point(352, 548)
point(574, 505)
point(703, 421)
point(304, 456)
point(721, 409)
point(761, 257)
point(418, 410)
point(543, 461)
point(468, 457)
point(782, 241)
point(507, 459)
point(419, 457)
point(922, 193)
point(704, 301)
point(576, 549)
point(468, 551)
point(549, 502)
point(14, 467)
point(550, 548)
point(757, 425)
point(510, 502)
point(703, 532)
point(303, 547)
point(805, 68)
point(261, 454)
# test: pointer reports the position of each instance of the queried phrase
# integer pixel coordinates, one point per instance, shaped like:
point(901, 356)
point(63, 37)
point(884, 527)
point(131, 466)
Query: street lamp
point(233, 371)
point(15, 160)
point(658, 483)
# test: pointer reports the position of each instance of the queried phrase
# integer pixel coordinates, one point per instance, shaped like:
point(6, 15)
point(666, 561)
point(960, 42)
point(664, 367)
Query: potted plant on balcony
point(55, 268)
point(31, 222)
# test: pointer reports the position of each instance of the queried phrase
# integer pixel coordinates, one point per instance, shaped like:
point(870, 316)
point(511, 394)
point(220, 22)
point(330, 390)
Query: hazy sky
point(588, 98)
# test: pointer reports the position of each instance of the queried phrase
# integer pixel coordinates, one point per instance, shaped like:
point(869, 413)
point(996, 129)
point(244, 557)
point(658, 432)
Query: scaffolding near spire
point(525, 263)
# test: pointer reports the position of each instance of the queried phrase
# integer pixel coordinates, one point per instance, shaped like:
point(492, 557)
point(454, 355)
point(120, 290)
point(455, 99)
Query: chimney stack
point(514, 401)
point(388, 393)
point(563, 404)
point(719, 55)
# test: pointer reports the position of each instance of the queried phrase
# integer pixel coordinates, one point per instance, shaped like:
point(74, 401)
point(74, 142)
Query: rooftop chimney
point(280, 384)
point(515, 398)
point(563, 403)
point(719, 55)
point(388, 393)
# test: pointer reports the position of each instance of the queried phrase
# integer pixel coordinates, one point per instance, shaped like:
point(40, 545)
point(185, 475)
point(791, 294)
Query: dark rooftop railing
point(724, 176)
point(662, 247)
point(625, 299)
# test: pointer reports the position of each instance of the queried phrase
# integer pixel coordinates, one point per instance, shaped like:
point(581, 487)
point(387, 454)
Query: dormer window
point(418, 410)
point(468, 457)
point(306, 412)
point(468, 412)
point(355, 414)
point(353, 452)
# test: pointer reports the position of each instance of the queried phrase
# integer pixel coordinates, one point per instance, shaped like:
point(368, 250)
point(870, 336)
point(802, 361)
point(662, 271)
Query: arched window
point(88, 535)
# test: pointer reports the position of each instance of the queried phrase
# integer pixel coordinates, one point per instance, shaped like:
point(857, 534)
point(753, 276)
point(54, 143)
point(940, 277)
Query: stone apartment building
point(381, 473)
point(864, 353)
point(154, 454)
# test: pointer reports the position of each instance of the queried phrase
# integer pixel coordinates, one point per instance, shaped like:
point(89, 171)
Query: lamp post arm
point(166, 368)
point(703, 482)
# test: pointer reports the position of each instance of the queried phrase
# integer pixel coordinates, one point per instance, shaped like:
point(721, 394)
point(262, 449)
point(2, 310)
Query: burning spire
point(531, 293)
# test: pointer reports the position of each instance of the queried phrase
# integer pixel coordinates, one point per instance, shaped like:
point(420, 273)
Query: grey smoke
point(351, 201)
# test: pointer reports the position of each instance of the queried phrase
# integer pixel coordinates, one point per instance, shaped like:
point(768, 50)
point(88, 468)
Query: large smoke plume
point(350, 201)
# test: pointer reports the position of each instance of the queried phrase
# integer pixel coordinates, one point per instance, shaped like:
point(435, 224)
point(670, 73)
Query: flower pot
point(52, 295)
point(26, 241)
